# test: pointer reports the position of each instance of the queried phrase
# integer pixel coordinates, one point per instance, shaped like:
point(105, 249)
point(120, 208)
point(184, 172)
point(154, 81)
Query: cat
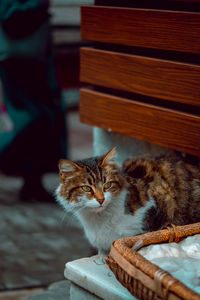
point(143, 195)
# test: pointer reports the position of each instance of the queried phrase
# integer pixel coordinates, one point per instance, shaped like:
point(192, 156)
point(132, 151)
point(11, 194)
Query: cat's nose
point(101, 201)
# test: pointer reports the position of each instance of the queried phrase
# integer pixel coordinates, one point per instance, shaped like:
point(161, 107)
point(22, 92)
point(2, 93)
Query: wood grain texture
point(189, 1)
point(157, 78)
point(156, 29)
point(168, 128)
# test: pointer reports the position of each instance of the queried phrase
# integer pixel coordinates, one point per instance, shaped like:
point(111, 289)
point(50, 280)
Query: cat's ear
point(68, 166)
point(109, 158)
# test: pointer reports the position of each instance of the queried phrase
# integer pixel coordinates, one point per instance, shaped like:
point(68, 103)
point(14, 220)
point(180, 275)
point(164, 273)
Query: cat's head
point(91, 183)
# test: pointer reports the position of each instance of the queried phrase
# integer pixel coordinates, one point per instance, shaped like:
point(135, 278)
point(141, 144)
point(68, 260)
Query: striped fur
point(173, 184)
point(144, 195)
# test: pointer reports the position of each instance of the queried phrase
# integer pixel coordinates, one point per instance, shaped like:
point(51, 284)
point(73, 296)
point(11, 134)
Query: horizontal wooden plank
point(158, 78)
point(168, 128)
point(165, 4)
point(189, 1)
point(156, 29)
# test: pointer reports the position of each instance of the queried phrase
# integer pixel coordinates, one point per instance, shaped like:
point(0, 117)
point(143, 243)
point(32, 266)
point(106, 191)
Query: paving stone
point(23, 294)
point(36, 254)
point(58, 290)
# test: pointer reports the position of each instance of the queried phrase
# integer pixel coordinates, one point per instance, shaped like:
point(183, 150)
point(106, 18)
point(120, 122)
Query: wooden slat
point(147, 76)
point(166, 30)
point(189, 1)
point(168, 128)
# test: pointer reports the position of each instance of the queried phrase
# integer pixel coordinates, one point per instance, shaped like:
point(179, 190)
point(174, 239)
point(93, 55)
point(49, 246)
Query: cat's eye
point(107, 185)
point(86, 188)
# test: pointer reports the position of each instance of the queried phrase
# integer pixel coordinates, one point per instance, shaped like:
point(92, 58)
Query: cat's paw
point(102, 254)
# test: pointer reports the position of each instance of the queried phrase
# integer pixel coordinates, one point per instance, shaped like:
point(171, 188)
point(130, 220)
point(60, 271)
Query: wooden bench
point(143, 71)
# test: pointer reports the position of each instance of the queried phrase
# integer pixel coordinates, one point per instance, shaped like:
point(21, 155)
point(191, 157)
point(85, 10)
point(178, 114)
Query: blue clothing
point(30, 90)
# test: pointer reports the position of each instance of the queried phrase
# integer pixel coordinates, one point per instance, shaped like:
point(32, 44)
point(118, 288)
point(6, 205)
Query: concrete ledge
point(104, 140)
point(92, 278)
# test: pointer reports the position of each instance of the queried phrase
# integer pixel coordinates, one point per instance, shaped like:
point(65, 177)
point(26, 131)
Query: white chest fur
point(105, 226)
point(112, 223)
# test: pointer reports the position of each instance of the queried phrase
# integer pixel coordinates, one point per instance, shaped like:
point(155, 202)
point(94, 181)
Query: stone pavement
point(58, 290)
point(22, 294)
point(37, 239)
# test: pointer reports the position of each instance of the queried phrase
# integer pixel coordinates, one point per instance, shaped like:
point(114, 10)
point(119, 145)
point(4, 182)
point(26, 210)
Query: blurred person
point(31, 95)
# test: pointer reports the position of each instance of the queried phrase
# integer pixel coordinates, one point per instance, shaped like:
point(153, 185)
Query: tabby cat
point(144, 195)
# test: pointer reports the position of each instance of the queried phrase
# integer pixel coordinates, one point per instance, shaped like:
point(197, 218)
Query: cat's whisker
point(78, 211)
point(70, 218)
point(63, 218)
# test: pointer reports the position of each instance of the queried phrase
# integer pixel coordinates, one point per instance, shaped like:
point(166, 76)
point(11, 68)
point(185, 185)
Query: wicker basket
point(143, 279)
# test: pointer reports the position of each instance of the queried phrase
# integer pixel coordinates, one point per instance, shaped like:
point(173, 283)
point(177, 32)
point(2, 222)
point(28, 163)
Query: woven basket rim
point(121, 251)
